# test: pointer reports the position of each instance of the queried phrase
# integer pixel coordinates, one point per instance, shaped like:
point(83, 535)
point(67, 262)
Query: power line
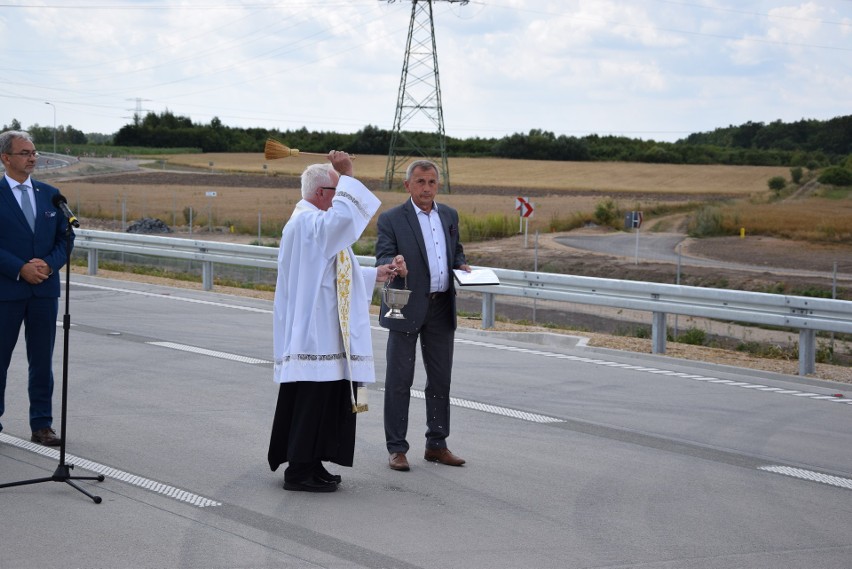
point(419, 94)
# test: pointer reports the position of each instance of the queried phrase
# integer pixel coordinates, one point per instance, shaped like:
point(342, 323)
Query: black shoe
point(312, 484)
point(323, 475)
point(328, 478)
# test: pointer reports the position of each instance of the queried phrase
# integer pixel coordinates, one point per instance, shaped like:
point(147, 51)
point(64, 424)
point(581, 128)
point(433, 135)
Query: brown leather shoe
point(397, 461)
point(444, 456)
point(46, 437)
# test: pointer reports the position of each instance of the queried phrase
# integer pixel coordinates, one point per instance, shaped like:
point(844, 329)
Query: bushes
point(491, 226)
point(777, 183)
point(606, 213)
point(693, 337)
point(836, 176)
point(796, 174)
point(568, 223)
point(707, 222)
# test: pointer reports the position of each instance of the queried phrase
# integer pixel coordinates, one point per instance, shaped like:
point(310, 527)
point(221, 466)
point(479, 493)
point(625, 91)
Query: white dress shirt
point(436, 247)
point(17, 193)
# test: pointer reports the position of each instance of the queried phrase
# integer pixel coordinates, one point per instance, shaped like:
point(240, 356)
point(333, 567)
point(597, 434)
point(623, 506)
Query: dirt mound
point(771, 252)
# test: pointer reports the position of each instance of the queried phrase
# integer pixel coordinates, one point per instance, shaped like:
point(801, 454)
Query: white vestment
point(306, 335)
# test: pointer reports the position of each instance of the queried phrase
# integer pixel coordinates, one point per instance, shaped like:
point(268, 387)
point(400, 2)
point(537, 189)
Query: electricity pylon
point(419, 94)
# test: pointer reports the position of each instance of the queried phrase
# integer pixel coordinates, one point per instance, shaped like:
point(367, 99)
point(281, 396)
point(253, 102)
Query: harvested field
point(479, 187)
point(528, 175)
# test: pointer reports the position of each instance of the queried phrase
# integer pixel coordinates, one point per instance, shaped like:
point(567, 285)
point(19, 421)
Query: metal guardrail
point(806, 314)
point(207, 253)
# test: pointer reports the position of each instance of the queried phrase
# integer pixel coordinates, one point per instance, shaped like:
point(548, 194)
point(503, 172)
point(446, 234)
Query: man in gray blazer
point(427, 235)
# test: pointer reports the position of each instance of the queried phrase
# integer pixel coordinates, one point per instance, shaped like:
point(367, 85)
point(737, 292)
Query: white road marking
point(211, 353)
point(809, 475)
point(113, 473)
point(494, 409)
point(178, 298)
point(726, 382)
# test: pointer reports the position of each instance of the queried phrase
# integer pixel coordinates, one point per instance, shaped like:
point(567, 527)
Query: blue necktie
point(27, 206)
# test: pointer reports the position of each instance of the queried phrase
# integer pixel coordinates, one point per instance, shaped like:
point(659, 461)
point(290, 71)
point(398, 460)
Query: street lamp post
point(54, 124)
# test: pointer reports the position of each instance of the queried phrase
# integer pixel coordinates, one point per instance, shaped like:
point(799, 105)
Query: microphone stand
point(63, 470)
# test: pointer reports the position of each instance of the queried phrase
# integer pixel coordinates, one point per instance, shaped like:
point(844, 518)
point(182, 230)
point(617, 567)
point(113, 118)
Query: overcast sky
point(650, 69)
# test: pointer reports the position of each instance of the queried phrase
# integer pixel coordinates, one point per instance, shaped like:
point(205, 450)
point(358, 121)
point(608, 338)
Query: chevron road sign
point(524, 206)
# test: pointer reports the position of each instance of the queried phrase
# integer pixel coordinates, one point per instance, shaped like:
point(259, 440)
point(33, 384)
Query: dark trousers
point(313, 422)
point(436, 345)
point(38, 315)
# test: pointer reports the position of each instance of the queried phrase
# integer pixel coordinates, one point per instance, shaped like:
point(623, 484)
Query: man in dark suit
point(427, 235)
point(32, 250)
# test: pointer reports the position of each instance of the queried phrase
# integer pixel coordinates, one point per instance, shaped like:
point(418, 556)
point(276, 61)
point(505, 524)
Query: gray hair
point(423, 164)
point(8, 137)
point(315, 176)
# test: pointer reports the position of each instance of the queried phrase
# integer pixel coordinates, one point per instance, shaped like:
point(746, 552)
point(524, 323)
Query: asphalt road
point(577, 458)
point(651, 247)
point(663, 247)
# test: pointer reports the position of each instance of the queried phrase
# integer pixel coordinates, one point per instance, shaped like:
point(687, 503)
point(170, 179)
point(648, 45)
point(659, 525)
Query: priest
point(321, 325)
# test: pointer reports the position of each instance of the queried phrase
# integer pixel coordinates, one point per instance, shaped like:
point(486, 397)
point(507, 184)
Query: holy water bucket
point(395, 298)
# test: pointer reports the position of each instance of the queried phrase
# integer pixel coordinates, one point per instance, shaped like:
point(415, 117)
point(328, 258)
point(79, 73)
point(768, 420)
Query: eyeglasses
point(25, 154)
point(327, 188)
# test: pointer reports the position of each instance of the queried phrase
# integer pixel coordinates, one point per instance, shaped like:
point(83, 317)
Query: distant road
point(652, 246)
point(50, 161)
point(662, 247)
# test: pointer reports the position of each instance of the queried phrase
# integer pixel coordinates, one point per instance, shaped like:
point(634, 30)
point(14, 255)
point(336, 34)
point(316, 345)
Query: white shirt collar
point(14, 183)
point(419, 210)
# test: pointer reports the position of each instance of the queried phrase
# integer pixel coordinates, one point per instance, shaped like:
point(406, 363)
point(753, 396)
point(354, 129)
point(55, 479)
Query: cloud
point(658, 69)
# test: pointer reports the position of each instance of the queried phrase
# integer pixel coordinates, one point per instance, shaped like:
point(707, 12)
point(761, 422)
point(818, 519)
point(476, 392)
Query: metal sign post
point(636, 256)
point(525, 209)
point(634, 219)
point(210, 209)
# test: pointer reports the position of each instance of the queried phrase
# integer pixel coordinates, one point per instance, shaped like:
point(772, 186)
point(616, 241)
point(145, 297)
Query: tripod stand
point(63, 470)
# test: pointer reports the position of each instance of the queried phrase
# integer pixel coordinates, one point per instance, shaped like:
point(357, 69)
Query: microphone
point(60, 203)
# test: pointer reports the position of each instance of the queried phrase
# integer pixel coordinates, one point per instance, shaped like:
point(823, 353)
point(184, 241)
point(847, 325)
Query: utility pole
point(137, 112)
point(419, 94)
point(54, 124)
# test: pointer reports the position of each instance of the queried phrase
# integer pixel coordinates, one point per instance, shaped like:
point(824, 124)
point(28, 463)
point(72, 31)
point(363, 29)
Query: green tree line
point(43, 135)
point(805, 143)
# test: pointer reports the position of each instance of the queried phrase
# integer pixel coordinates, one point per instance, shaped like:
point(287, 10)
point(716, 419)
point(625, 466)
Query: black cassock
point(313, 422)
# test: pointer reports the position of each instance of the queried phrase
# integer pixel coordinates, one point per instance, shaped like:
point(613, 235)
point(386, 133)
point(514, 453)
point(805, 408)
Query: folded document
point(476, 277)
